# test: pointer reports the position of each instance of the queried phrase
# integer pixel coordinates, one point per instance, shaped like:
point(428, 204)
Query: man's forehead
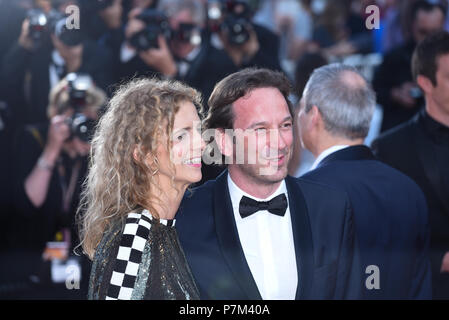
point(259, 105)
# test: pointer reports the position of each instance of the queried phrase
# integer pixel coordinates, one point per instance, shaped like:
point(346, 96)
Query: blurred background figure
point(49, 167)
point(399, 96)
point(45, 52)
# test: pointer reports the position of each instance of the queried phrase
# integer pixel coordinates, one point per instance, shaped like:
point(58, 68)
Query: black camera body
point(187, 33)
point(233, 17)
point(41, 24)
point(156, 24)
point(80, 126)
point(38, 25)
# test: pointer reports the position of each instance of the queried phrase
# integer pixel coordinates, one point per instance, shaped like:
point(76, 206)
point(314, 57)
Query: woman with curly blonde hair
point(145, 153)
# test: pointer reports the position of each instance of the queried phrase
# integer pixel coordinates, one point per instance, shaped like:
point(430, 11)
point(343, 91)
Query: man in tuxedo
point(420, 149)
point(254, 232)
point(390, 211)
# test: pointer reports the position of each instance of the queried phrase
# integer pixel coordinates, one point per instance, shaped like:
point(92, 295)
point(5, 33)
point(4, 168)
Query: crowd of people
point(56, 84)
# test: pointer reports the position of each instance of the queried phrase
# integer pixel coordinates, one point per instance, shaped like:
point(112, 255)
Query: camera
point(41, 24)
point(156, 23)
point(70, 37)
point(38, 25)
point(233, 17)
point(80, 125)
point(188, 33)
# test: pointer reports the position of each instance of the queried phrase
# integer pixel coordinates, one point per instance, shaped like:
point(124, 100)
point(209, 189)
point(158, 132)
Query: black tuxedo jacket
point(391, 221)
point(324, 239)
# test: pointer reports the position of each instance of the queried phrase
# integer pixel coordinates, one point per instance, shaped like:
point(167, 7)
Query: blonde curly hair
point(138, 115)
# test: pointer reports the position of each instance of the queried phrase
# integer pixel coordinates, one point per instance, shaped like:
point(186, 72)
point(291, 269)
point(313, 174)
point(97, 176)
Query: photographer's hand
point(58, 132)
point(160, 59)
point(402, 95)
point(24, 40)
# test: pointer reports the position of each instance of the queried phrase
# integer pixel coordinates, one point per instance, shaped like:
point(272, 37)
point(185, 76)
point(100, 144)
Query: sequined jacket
point(141, 259)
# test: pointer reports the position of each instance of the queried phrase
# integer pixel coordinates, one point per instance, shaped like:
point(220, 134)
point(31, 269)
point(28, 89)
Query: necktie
point(278, 205)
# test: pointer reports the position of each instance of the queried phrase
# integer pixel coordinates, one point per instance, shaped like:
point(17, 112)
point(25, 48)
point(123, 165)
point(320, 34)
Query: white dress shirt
point(267, 242)
point(326, 153)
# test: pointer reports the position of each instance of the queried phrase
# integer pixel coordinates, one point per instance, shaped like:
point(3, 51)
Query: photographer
point(233, 30)
point(50, 166)
point(169, 42)
point(45, 52)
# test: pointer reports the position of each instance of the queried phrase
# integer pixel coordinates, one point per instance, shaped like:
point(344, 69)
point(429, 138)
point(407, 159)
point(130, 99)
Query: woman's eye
point(180, 137)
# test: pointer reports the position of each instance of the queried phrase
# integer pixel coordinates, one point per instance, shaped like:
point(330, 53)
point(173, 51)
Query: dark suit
point(390, 215)
point(325, 245)
point(420, 149)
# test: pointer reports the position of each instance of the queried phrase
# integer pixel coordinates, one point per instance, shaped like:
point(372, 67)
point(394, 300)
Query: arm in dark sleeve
point(27, 151)
point(383, 82)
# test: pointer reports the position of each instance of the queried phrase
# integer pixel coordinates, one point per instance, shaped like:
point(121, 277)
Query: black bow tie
point(277, 206)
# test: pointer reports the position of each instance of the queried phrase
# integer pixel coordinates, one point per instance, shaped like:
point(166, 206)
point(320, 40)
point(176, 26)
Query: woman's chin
point(191, 177)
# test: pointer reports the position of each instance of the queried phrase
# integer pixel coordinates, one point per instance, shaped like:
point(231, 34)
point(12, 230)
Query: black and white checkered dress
point(141, 261)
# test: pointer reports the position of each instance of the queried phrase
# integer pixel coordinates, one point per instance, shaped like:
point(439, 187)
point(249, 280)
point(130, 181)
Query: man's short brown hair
point(237, 85)
point(425, 57)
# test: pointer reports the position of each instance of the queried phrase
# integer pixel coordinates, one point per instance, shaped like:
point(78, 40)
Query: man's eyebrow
point(265, 123)
point(257, 124)
point(183, 129)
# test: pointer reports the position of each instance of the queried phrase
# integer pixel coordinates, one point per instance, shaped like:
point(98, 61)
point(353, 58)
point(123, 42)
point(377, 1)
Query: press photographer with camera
point(169, 42)
point(232, 28)
point(50, 163)
point(45, 52)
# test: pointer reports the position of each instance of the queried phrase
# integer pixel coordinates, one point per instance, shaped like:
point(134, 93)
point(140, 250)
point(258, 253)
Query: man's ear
point(224, 142)
point(424, 83)
point(316, 117)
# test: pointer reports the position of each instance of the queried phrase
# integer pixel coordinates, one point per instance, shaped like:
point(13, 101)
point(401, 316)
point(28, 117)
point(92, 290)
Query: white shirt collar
point(325, 153)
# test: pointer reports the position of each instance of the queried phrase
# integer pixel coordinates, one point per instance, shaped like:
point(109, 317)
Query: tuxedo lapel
point(302, 237)
point(228, 238)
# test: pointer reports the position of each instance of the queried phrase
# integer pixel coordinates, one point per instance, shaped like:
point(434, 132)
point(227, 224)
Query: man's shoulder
point(315, 191)
point(199, 196)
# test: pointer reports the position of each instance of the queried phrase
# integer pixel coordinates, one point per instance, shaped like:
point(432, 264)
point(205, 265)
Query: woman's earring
point(157, 163)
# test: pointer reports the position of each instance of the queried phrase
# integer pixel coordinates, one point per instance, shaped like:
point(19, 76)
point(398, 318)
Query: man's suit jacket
point(391, 221)
point(410, 149)
point(324, 238)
